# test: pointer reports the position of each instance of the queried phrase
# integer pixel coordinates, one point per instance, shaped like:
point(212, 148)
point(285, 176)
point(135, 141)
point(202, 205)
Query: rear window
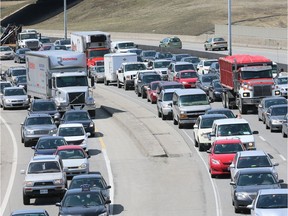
point(253, 161)
point(193, 100)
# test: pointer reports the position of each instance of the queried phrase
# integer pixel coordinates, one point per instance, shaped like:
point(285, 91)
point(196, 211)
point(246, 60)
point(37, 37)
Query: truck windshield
point(256, 74)
point(193, 100)
point(72, 81)
point(97, 53)
point(28, 36)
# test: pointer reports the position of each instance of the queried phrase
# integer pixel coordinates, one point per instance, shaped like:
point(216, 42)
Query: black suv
point(47, 106)
point(143, 78)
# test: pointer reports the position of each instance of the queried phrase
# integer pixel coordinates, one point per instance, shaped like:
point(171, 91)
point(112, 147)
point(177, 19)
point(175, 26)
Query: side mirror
point(65, 169)
point(160, 100)
point(232, 183)
point(88, 134)
point(260, 106)
point(250, 206)
point(208, 151)
point(108, 187)
point(232, 166)
point(255, 132)
point(32, 147)
point(88, 156)
point(281, 181)
point(195, 126)
point(58, 204)
point(276, 164)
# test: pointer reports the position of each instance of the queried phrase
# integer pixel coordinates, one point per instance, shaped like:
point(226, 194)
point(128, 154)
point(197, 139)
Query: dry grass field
point(180, 17)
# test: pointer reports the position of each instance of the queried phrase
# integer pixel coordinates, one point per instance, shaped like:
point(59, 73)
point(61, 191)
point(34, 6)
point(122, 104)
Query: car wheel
point(26, 200)
point(236, 210)
point(163, 117)
point(118, 84)
point(148, 100)
point(196, 144)
point(26, 144)
point(180, 126)
point(22, 140)
point(267, 127)
point(201, 147)
point(263, 119)
point(271, 129)
point(284, 134)
point(175, 121)
point(212, 175)
point(159, 113)
point(143, 93)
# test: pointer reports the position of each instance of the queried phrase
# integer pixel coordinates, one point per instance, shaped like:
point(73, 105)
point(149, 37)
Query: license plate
point(43, 191)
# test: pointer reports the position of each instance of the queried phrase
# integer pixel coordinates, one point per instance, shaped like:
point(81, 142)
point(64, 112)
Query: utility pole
point(65, 20)
point(229, 29)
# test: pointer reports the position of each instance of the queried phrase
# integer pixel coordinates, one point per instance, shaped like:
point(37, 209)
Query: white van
point(227, 128)
point(187, 105)
point(122, 46)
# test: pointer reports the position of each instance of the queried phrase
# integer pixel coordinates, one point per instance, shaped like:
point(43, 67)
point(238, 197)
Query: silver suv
point(44, 177)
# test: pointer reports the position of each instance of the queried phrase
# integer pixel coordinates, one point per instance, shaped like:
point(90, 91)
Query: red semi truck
point(95, 44)
point(246, 80)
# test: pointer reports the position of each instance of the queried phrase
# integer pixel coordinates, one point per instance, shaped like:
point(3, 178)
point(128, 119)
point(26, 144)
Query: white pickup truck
point(127, 72)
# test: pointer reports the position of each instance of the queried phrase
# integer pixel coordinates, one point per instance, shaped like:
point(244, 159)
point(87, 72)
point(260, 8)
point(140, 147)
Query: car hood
point(73, 162)
point(272, 212)
point(224, 158)
point(74, 138)
point(41, 127)
point(255, 188)
point(243, 138)
point(45, 151)
point(281, 117)
point(189, 80)
point(44, 112)
point(43, 176)
point(16, 97)
point(132, 72)
point(195, 108)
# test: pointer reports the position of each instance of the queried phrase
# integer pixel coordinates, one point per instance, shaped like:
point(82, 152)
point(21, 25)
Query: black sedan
point(215, 91)
point(246, 184)
point(47, 145)
point(20, 54)
point(79, 116)
point(205, 80)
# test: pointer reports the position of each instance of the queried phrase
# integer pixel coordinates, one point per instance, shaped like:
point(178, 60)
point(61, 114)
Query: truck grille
point(262, 90)
point(43, 183)
point(32, 44)
point(77, 98)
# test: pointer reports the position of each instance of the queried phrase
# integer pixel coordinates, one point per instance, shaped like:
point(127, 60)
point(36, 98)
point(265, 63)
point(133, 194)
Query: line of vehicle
point(108, 167)
point(215, 191)
point(13, 169)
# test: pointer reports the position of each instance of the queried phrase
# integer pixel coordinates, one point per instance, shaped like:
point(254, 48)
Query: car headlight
point(242, 195)
point(83, 166)
point(58, 181)
point(29, 183)
point(205, 135)
point(29, 132)
point(53, 131)
point(91, 124)
point(276, 121)
point(215, 161)
point(7, 100)
point(166, 106)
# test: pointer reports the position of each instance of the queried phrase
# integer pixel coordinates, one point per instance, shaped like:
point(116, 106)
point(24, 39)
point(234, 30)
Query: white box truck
point(112, 63)
point(60, 75)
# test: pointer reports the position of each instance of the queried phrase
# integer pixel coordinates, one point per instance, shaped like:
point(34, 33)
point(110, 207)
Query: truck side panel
point(226, 73)
point(78, 43)
point(37, 84)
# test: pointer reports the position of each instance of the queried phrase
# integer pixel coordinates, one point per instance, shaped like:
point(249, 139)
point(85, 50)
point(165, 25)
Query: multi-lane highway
point(143, 182)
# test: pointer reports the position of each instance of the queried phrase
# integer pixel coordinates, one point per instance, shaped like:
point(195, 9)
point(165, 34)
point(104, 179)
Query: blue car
point(30, 212)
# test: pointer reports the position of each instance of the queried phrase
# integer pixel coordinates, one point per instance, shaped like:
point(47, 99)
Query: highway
point(142, 181)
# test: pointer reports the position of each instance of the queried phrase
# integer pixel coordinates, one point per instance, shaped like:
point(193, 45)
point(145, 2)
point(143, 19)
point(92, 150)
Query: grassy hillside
point(180, 17)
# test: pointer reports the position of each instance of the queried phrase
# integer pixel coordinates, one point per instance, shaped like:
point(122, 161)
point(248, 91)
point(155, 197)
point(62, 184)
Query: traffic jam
point(56, 83)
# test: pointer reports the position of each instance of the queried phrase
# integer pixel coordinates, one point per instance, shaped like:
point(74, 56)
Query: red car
point(221, 155)
point(151, 91)
point(187, 77)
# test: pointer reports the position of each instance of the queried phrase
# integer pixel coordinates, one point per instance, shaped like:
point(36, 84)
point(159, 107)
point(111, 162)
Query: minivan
point(187, 105)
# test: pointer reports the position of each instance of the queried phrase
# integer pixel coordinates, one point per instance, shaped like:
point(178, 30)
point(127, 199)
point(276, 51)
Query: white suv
point(44, 177)
point(240, 128)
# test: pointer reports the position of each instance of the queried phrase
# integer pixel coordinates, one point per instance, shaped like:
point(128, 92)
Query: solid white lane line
point(215, 191)
point(283, 158)
point(262, 138)
point(13, 170)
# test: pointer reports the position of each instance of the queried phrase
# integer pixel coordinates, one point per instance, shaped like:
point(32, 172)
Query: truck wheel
point(164, 117)
point(105, 81)
point(26, 200)
point(126, 86)
point(242, 107)
point(118, 84)
point(224, 100)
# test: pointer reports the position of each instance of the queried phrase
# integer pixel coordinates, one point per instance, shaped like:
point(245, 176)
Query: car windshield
point(43, 167)
point(164, 55)
point(208, 63)
point(228, 113)
point(132, 67)
point(50, 143)
point(23, 51)
point(21, 79)
point(97, 53)
point(227, 148)
point(71, 154)
point(83, 199)
point(72, 81)
point(71, 131)
point(234, 129)
point(256, 179)
point(18, 72)
point(4, 85)
point(149, 54)
point(65, 42)
point(179, 57)
point(218, 39)
point(279, 111)
point(4, 49)
point(161, 64)
point(272, 201)
point(208, 122)
point(269, 103)
point(208, 79)
point(77, 116)
point(184, 67)
point(172, 86)
point(99, 69)
point(188, 75)
point(282, 80)
point(151, 78)
point(44, 106)
point(127, 45)
point(253, 161)
point(256, 74)
point(93, 182)
point(12, 92)
point(192, 60)
point(168, 96)
point(39, 121)
point(29, 214)
point(194, 100)
point(28, 36)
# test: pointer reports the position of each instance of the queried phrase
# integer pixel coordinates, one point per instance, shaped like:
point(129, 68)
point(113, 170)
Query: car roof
point(170, 83)
point(64, 147)
point(76, 111)
point(233, 140)
point(38, 115)
point(230, 121)
point(161, 60)
point(252, 153)
point(278, 105)
point(189, 91)
point(51, 137)
point(274, 98)
point(79, 190)
point(258, 170)
point(13, 87)
point(45, 157)
point(273, 191)
point(70, 125)
point(92, 175)
point(129, 63)
point(182, 63)
point(189, 71)
point(172, 90)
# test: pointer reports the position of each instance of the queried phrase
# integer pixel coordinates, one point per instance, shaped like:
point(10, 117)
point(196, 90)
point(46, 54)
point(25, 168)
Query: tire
point(242, 108)
point(143, 95)
point(138, 93)
point(164, 117)
point(26, 144)
point(205, 48)
point(148, 100)
point(196, 144)
point(201, 147)
point(224, 100)
point(271, 129)
point(213, 176)
point(266, 126)
point(22, 140)
point(159, 113)
point(26, 200)
point(236, 210)
point(175, 122)
point(126, 86)
point(118, 84)
point(283, 134)
point(180, 126)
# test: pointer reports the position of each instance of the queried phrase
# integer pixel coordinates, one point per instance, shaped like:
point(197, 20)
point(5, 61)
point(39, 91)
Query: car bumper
point(44, 191)
point(16, 104)
point(277, 127)
point(219, 169)
point(34, 138)
point(76, 171)
point(167, 111)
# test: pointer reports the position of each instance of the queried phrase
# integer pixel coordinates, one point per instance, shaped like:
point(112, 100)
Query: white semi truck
point(62, 76)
